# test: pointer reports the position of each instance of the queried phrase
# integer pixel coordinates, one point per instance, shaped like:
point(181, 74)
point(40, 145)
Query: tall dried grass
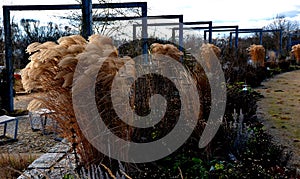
point(257, 54)
point(296, 52)
point(11, 165)
point(52, 68)
point(166, 49)
point(207, 51)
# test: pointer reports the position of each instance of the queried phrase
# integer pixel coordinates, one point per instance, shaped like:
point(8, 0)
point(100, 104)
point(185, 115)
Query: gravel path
point(28, 141)
point(280, 111)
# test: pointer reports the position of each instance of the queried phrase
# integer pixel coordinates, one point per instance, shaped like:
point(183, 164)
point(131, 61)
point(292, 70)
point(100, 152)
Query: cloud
point(290, 14)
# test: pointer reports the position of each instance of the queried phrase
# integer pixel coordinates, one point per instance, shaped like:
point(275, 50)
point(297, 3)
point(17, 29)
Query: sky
point(245, 14)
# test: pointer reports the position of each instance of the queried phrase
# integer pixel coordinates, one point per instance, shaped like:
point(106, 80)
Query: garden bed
point(241, 147)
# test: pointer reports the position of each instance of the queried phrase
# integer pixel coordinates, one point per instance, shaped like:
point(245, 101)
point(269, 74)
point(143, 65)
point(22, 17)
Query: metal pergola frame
point(229, 28)
point(180, 24)
point(261, 31)
point(289, 44)
point(248, 31)
point(86, 8)
point(209, 23)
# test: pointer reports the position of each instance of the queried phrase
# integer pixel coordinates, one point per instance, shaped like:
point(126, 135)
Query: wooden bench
point(5, 120)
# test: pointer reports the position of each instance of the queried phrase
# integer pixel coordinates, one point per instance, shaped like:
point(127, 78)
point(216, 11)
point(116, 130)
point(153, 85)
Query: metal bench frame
point(5, 120)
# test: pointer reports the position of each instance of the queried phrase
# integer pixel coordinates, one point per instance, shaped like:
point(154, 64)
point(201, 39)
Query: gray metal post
point(134, 32)
point(145, 32)
point(87, 27)
point(210, 32)
point(181, 35)
point(289, 45)
point(236, 38)
point(260, 37)
point(8, 60)
point(173, 35)
point(280, 42)
point(230, 39)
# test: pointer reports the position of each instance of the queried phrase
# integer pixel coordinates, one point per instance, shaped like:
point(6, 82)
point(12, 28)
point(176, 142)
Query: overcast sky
point(246, 14)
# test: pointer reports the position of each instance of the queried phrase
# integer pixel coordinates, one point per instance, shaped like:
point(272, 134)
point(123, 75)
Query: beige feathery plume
point(68, 61)
point(79, 39)
point(36, 46)
point(207, 53)
point(257, 54)
point(66, 41)
point(166, 49)
point(71, 40)
point(100, 40)
point(94, 49)
point(101, 45)
point(296, 52)
point(32, 47)
point(110, 51)
point(173, 51)
point(68, 80)
point(47, 45)
point(61, 74)
point(30, 85)
point(75, 49)
point(35, 57)
point(35, 105)
point(216, 50)
point(35, 65)
point(129, 66)
point(34, 75)
point(157, 48)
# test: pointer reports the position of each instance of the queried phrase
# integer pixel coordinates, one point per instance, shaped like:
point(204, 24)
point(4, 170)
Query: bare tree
point(279, 22)
point(104, 26)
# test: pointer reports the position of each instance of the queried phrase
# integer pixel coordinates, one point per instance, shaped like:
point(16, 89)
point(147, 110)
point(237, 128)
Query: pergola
point(87, 19)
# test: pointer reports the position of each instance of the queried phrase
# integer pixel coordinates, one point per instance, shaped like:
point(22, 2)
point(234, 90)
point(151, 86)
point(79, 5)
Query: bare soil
point(280, 111)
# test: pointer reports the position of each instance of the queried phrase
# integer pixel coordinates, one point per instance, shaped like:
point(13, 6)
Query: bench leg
point(4, 130)
point(31, 121)
point(16, 128)
point(44, 123)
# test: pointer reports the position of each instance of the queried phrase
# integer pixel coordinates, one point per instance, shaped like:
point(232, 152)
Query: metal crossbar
point(261, 31)
point(209, 23)
point(180, 26)
point(226, 29)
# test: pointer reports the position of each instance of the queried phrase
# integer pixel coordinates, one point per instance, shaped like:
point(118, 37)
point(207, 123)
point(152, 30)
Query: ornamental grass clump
point(70, 68)
point(51, 69)
point(296, 52)
point(257, 54)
